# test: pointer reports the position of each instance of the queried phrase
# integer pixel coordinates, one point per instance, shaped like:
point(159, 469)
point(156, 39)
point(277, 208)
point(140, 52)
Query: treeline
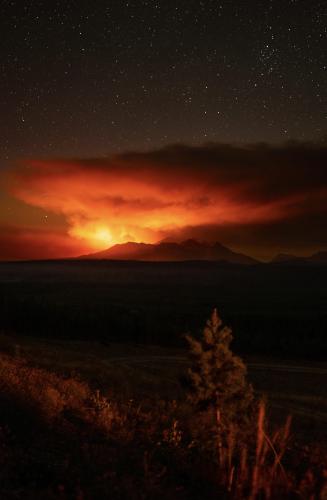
point(257, 333)
point(273, 310)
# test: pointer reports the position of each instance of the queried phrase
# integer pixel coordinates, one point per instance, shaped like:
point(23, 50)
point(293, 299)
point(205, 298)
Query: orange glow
point(179, 192)
point(95, 236)
point(116, 203)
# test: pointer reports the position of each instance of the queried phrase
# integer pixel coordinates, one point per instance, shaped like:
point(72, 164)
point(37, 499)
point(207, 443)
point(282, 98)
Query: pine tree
point(217, 378)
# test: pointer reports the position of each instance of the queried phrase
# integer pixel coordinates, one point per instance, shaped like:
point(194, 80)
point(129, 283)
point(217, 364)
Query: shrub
point(217, 378)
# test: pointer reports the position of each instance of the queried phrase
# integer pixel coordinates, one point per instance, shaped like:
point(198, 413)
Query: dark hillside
point(275, 309)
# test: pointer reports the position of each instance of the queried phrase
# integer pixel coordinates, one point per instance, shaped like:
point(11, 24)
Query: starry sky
point(98, 79)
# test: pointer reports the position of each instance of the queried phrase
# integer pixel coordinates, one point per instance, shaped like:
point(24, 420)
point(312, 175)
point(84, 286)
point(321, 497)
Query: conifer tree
point(217, 378)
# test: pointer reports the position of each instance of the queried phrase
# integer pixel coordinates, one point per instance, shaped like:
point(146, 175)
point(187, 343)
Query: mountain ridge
point(170, 251)
point(316, 258)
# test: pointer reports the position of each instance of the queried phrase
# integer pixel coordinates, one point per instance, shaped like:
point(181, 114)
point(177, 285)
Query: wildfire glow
point(216, 193)
point(138, 203)
point(97, 237)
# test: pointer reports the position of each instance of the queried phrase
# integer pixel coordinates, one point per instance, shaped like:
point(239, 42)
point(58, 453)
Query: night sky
point(93, 79)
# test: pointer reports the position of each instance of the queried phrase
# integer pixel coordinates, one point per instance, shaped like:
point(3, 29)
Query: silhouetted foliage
point(59, 438)
point(217, 377)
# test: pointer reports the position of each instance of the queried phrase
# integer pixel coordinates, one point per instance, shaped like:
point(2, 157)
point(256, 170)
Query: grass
point(85, 420)
point(135, 371)
point(94, 418)
point(60, 438)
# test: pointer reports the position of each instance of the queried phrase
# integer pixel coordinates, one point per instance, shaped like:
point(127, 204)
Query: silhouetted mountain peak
point(191, 243)
point(284, 257)
point(319, 257)
point(316, 258)
point(190, 249)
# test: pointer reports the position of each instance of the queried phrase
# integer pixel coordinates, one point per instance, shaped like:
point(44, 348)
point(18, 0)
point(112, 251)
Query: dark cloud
point(257, 197)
